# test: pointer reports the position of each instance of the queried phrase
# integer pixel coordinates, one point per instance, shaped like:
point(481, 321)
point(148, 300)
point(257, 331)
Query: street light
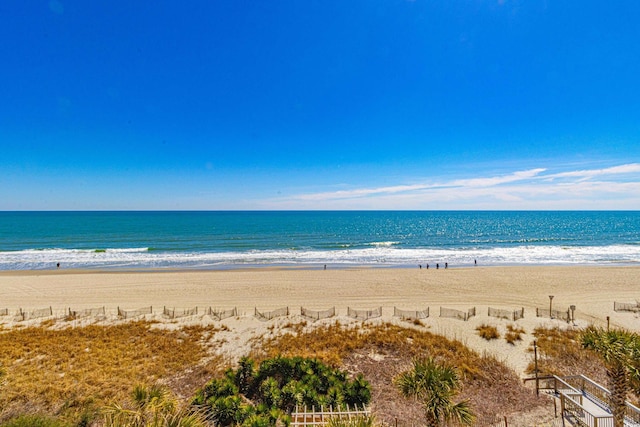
point(573, 314)
point(550, 305)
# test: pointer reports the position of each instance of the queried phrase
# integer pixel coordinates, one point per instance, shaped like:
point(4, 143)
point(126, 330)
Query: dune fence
point(174, 313)
point(22, 315)
point(411, 314)
point(506, 314)
point(623, 306)
point(364, 314)
point(317, 315)
point(221, 314)
point(129, 314)
point(458, 314)
point(268, 315)
point(87, 312)
point(554, 314)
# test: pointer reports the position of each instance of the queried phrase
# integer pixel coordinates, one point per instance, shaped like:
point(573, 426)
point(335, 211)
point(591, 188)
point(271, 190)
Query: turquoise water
point(116, 240)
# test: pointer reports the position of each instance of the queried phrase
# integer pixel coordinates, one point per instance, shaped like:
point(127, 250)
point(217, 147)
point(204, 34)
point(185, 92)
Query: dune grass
point(71, 371)
point(488, 332)
point(68, 374)
point(560, 353)
point(514, 333)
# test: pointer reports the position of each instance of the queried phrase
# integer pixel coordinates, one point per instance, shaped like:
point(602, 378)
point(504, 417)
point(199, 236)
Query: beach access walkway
point(583, 402)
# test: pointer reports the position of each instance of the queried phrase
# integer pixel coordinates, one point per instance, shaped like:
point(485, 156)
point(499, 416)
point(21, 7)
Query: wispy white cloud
point(473, 182)
point(497, 180)
point(360, 192)
point(616, 187)
point(615, 170)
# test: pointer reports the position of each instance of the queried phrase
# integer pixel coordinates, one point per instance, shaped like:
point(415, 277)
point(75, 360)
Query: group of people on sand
point(446, 265)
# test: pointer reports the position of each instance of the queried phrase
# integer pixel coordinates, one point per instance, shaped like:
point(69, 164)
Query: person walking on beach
point(446, 265)
point(58, 266)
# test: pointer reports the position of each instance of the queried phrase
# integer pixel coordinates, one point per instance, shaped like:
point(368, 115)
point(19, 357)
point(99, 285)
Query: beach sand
point(592, 290)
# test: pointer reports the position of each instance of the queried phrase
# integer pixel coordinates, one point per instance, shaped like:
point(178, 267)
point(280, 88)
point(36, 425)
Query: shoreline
point(302, 267)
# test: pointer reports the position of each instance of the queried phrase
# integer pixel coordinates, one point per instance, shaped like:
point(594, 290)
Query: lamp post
point(550, 306)
point(573, 314)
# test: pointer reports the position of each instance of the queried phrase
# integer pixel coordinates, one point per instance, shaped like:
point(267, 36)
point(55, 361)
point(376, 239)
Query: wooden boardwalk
point(584, 402)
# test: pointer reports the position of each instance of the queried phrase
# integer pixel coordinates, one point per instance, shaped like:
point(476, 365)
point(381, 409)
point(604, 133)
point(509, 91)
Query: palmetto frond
point(435, 385)
point(620, 352)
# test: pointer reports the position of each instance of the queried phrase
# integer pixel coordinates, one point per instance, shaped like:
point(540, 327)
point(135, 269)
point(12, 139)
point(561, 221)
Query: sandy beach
point(592, 290)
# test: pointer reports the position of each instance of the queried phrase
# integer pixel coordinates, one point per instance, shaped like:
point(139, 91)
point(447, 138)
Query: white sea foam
point(383, 244)
point(383, 255)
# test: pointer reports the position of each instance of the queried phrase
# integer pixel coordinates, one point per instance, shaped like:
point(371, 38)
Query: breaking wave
point(381, 254)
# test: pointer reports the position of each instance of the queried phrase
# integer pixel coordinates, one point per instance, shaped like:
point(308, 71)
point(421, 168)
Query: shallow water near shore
point(214, 240)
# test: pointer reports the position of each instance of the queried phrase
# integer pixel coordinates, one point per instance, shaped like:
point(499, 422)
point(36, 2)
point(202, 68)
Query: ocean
point(312, 239)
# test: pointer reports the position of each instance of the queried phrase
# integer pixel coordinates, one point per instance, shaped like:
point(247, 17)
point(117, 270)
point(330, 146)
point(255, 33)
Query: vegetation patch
point(488, 332)
point(382, 352)
point(435, 385)
point(514, 334)
point(70, 374)
point(560, 353)
point(65, 372)
point(153, 406)
point(262, 396)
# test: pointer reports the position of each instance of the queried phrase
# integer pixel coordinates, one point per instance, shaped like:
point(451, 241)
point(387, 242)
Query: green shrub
point(259, 397)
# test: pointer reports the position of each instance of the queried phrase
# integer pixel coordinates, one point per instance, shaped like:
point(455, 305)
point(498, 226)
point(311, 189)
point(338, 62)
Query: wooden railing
point(579, 415)
point(573, 390)
point(591, 389)
point(317, 417)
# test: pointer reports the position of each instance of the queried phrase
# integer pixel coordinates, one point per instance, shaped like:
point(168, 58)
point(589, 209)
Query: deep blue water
point(38, 240)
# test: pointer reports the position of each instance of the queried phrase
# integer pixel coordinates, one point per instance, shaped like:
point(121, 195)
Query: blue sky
point(304, 104)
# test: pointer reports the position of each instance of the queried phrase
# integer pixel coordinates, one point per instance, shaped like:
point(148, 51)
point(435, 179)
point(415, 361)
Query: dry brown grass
point(560, 353)
point(488, 332)
point(514, 333)
point(382, 352)
point(64, 372)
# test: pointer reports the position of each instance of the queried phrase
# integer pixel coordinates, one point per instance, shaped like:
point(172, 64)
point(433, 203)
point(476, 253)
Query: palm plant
point(151, 407)
point(435, 385)
point(620, 352)
point(270, 392)
point(359, 421)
